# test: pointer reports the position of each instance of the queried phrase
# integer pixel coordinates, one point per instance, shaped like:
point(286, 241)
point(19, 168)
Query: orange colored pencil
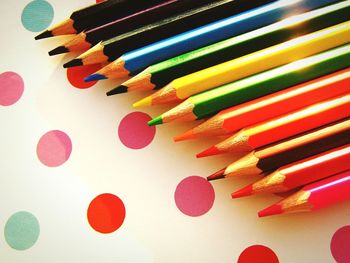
point(270, 106)
point(301, 173)
point(284, 126)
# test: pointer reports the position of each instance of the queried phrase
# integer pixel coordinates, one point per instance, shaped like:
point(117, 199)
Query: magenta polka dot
point(340, 245)
point(11, 88)
point(54, 148)
point(194, 196)
point(134, 132)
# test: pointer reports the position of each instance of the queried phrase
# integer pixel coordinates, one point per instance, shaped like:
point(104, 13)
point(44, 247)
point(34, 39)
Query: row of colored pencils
point(273, 76)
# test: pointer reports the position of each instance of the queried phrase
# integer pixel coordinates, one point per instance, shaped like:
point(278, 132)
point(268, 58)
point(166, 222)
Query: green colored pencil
point(160, 74)
point(210, 102)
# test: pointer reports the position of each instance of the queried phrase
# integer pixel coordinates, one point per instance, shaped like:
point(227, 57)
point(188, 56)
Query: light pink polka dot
point(134, 132)
point(54, 148)
point(340, 245)
point(11, 88)
point(194, 196)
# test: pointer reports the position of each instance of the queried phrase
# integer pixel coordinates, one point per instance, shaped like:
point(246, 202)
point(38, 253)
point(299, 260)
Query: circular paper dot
point(194, 196)
point(76, 75)
point(340, 245)
point(54, 148)
point(11, 88)
point(106, 213)
point(258, 253)
point(134, 132)
point(99, 1)
point(37, 15)
point(21, 230)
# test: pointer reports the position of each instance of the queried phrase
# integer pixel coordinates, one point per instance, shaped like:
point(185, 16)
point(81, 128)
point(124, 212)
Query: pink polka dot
point(106, 213)
point(76, 75)
point(258, 253)
point(11, 88)
point(340, 245)
point(194, 196)
point(54, 148)
point(134, 132)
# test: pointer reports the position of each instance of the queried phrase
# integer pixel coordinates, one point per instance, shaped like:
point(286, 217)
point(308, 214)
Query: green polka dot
point(21, 230)
point(37, 15)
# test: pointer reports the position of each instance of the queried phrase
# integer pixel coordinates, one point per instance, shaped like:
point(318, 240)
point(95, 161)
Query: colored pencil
point(270, 106)
point(160, 74)
point(212, 101)
point(271, 57)
point(111, 49)
point(87, 39)
point(137, 60)
point(281, 127)
point(324, 193)
point(287, 151)
point(96, 15)
point(301, 173)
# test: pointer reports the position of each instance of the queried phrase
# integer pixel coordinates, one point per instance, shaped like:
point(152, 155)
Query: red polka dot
point(340, 245)
point(54, 148)
point(11, 88)
point(258, 253)
point(99, 1)
point(76, 75)
point(194, 196)
point(134, 132)
point(106, 213)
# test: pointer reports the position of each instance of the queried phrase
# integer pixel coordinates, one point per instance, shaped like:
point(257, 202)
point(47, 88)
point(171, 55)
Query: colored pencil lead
point(275, 209)
point(63, 28)
point(155, 121)
point(147, 101)
point(208, 152)
point(185, 136)
point(114, 70)
point(73, 63)
point(94, 77)
point(218, 175)
point(246, 191)
point(44, 34)
point(120, 89)
point(58, 50)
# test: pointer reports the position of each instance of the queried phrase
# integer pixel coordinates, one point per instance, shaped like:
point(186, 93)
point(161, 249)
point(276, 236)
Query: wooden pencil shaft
point(109, 11)
point(188, 20)
point(303, 146)
point(141, 18)
point(163, 72)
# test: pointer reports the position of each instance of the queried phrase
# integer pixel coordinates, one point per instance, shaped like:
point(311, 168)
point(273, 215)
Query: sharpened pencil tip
point(44, 34)
point(246, 191)
point(218, 175)
point(58, 50)
point(118, 90)
point(143, 103)
point(156, 121)
point(208, 152)
point(185, 136)
point(94, 77)
point(73, 63)
point(271, 210)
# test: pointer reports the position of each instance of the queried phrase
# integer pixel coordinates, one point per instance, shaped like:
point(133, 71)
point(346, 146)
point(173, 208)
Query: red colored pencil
point(270, 106)
point(288, 151)
point(330, 191)
point(283, 126)
point(301, 173)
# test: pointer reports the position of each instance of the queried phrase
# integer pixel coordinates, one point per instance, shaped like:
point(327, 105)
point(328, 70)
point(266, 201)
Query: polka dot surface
point(76, 75)
point(54, 148)
point(106, 213)
point(258, 253)
point(37, 15)
point(134, 132)
point(22, 230)
point(11, 88)
point(340, 245)
point(194, 196)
